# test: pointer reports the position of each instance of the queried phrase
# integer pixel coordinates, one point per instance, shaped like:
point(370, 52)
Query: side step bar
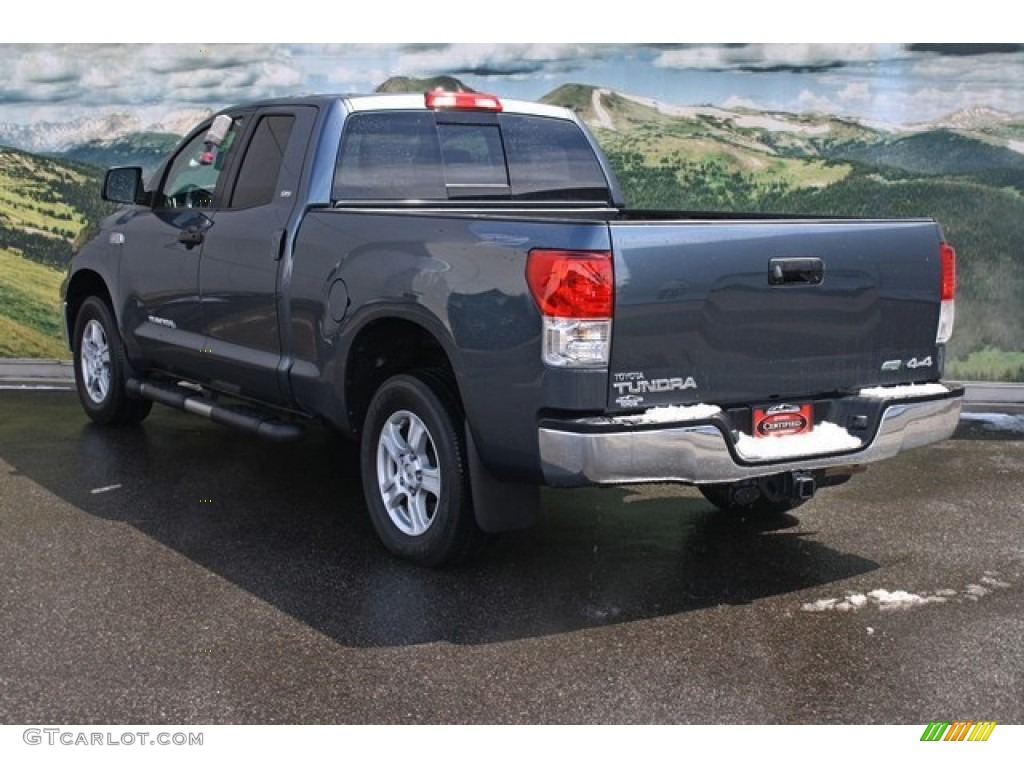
point(238, 417)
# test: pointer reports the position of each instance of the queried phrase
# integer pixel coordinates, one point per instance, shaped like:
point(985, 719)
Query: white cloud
point(809, 101)
point(876, 81)
point(856, 91)
point(769, 56)
point(488, 58)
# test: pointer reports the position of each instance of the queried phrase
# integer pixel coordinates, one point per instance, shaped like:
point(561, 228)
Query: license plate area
point(783, 419)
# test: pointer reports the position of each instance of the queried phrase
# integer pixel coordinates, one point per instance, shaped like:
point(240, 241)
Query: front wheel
point(100, 368)
point(414, 470)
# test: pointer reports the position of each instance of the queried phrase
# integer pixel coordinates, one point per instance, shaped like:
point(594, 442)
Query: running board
point(238, 417)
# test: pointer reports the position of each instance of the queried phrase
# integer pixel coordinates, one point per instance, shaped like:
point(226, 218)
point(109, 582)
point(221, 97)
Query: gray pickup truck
point(455, 281)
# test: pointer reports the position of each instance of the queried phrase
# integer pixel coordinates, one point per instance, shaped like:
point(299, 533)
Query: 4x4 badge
point(912, 363)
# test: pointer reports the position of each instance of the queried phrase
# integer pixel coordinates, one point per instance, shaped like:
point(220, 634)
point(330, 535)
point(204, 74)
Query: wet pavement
point(183, 573)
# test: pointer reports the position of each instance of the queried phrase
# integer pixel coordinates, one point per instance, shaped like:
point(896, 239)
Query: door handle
point(277, 244)
point(796, 271)
point(191, 237)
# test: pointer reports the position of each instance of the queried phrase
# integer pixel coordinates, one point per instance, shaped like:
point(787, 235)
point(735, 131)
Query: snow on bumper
point(610, 451)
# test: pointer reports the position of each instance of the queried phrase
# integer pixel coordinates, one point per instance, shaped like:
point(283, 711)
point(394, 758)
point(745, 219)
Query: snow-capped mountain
point(61, 136)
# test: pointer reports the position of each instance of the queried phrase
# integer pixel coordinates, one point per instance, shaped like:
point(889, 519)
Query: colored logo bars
point(958, 730)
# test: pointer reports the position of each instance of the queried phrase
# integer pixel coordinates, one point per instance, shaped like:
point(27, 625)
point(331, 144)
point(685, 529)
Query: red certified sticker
point(779, 420)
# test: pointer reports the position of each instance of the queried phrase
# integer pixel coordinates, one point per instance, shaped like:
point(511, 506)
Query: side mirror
point(123, 185)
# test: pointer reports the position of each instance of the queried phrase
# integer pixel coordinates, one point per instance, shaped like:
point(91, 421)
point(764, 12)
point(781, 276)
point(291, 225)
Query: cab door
point(160, 254)
point(240, 268)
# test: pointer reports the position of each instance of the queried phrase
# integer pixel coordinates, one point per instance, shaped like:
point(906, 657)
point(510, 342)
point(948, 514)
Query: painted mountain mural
point(964, 168)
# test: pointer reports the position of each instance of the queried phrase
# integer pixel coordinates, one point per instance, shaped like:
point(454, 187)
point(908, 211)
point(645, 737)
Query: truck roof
point(356, 102)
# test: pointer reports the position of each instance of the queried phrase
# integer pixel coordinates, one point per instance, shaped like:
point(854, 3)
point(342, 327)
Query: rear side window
point(390, 156)
point(550, 158)
point(424, 156)
point(257, 179)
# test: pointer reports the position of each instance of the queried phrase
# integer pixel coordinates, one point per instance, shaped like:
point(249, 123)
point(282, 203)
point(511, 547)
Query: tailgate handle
point(798, 271)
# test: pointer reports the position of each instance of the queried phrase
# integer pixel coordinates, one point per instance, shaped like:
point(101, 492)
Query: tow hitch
point(776, 493)
point(789, 486)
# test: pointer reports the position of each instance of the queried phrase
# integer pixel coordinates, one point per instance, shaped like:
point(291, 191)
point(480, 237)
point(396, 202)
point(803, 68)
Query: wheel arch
point(388, 345)
point(371, 359)
point(83, 284)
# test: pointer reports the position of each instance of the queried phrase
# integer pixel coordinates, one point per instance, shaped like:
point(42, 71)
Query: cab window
point(191, 180)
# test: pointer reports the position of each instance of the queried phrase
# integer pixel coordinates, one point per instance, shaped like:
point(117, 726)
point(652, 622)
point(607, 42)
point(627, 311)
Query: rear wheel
point(414, 470)
point(100, 368)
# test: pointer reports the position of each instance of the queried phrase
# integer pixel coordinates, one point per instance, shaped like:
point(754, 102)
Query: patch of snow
point(669, 413)
point(904, 390)
point(826, 438)
point(1016, 146)
point(900, 599)
point(993, 582)
point(820, 605)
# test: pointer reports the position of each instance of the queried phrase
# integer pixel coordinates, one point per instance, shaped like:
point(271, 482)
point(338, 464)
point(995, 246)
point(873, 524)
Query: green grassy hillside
point(30, 322)
point(422, 85)
point(933, 153)
point(45, 205)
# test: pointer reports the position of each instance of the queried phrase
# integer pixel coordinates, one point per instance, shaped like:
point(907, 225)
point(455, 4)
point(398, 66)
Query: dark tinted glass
point(257, 179)
point(551, 158)
point(410, 156)
point(472, 156)
point(390, 156)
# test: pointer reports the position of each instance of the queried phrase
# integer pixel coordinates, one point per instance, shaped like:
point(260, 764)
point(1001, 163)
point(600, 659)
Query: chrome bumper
point(573, 455)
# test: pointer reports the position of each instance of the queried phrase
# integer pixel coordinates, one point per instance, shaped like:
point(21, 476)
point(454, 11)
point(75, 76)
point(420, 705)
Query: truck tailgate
point(742, 312)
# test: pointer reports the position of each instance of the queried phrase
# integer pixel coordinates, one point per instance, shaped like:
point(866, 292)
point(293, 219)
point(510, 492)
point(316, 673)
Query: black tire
point(101, 368)
point(414, 471)
point(756, 500)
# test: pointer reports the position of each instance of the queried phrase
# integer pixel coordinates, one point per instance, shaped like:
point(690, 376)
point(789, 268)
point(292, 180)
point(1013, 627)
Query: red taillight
point(947, 306)
point(450, 100)
point(948, 257)
point(577, 284)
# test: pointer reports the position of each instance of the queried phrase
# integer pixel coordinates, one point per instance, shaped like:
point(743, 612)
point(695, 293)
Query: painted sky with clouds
point(892, 83)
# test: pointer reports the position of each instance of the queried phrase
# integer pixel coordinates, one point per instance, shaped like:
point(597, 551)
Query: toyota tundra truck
point(454, 281)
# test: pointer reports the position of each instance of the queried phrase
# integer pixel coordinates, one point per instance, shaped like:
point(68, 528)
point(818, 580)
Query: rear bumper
point(579, 453)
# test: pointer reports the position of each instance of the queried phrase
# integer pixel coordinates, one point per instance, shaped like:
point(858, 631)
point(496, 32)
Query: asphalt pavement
point(179, 572)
